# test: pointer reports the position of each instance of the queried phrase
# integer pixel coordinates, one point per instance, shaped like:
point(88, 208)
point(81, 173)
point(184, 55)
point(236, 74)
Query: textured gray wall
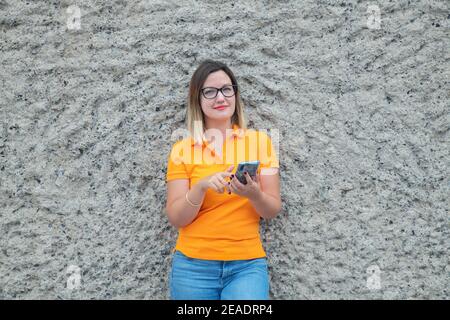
point(87, 115)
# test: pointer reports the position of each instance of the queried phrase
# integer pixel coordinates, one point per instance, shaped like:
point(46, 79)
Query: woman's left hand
point(251, 190)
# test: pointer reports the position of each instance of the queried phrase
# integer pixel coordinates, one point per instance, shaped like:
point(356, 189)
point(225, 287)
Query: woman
point(219, 254)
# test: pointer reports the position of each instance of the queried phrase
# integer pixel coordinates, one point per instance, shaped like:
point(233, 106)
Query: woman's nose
point(220, 96)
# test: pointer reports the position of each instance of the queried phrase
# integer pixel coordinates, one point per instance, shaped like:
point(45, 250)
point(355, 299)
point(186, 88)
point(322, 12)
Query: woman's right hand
point(216, 181)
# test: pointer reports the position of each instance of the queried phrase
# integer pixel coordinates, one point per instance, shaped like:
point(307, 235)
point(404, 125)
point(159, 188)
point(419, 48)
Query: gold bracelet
point(194, 205)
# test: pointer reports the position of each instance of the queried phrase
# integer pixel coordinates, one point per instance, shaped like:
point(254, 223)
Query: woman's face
point(218, 79)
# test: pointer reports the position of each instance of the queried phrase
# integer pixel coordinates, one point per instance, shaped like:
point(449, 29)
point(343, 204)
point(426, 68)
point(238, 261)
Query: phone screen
point(250, 166)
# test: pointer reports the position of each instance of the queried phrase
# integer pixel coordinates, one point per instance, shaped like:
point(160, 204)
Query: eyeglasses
point(227, 91)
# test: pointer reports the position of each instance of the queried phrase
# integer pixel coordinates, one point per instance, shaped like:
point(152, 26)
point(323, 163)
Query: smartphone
point(250, 166)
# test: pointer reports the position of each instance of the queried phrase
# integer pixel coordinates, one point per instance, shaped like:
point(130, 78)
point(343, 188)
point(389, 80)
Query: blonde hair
point(195, 119)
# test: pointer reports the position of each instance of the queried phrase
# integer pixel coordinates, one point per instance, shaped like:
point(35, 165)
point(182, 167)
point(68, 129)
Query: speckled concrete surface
point(361, 103)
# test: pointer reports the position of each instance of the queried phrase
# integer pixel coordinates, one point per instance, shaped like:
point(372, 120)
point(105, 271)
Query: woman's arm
point(179, 212)
point(267, 203)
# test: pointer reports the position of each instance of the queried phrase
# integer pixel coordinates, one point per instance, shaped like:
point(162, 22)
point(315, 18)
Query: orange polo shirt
point(226, 226)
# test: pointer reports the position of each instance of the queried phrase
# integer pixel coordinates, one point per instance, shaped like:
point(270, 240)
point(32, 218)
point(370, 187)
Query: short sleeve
point(176, 168)
point(267, 152)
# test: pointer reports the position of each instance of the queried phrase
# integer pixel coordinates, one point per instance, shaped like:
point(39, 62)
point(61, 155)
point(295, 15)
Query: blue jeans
point(198, 279)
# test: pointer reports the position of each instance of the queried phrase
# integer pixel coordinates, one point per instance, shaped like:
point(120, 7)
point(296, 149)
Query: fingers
point(217, 185)
point(231, 187)
point(236, 184)
point(222, 180)
point(248, 178)
point(224, 174)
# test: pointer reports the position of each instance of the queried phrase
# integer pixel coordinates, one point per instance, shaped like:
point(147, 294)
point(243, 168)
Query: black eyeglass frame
point(234, 86)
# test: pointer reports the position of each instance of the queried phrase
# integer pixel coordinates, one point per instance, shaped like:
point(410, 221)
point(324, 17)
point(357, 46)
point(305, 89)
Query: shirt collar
point(236, 133)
